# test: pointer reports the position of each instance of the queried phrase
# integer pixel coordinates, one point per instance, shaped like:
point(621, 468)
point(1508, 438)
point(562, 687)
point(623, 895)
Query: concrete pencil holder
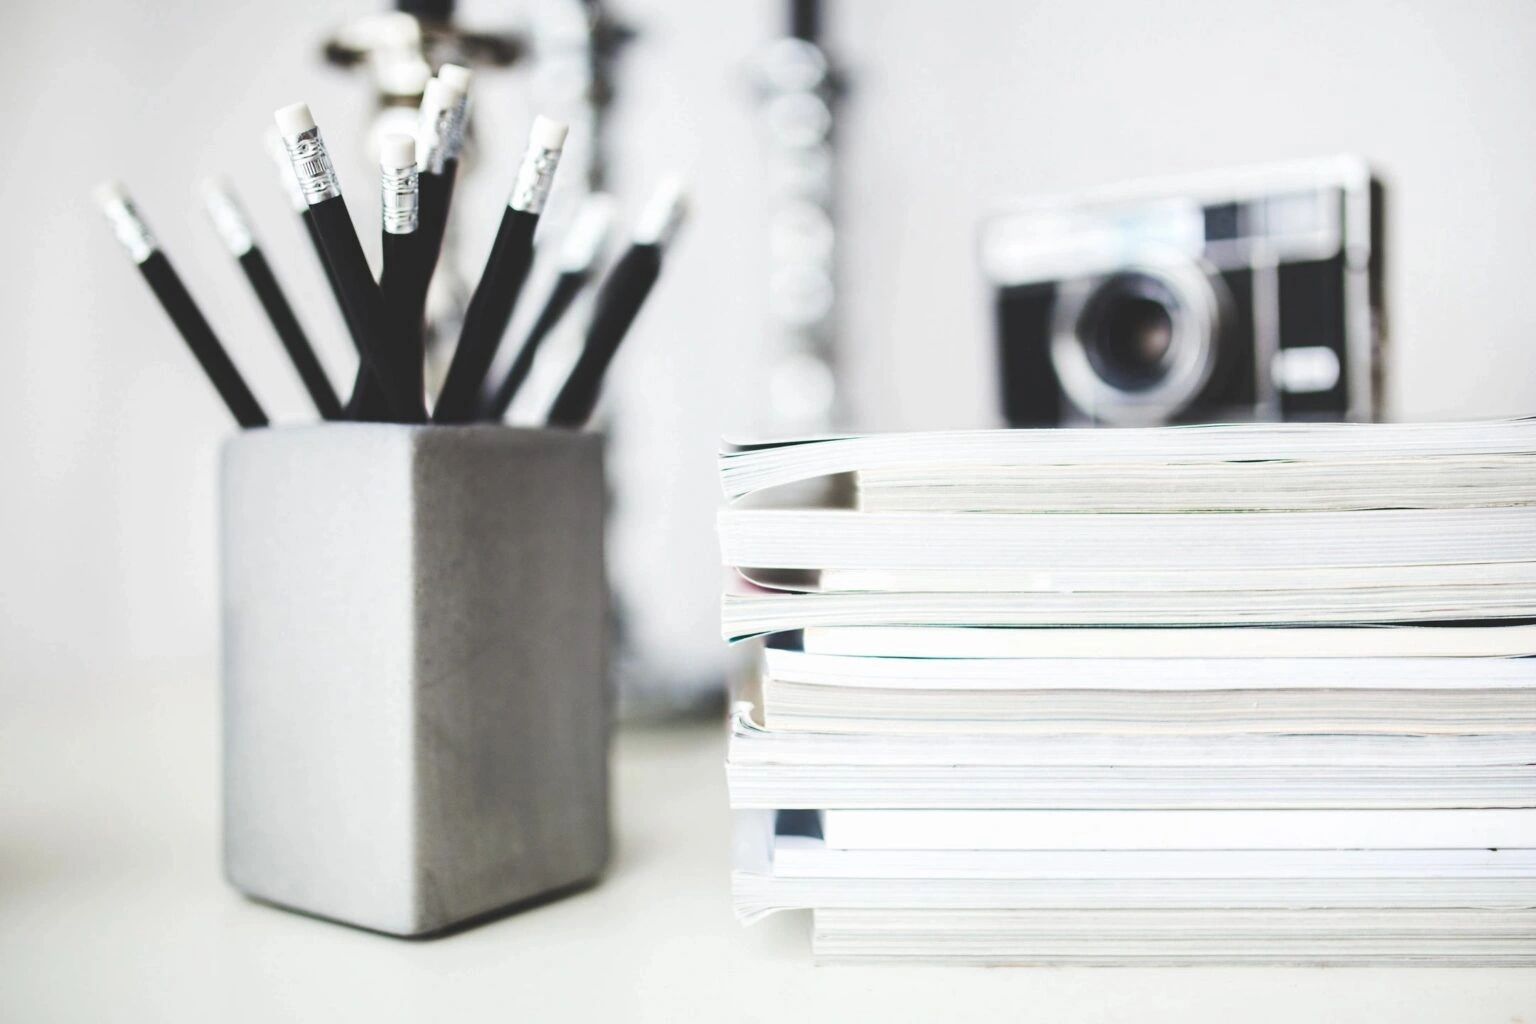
point(416, 706)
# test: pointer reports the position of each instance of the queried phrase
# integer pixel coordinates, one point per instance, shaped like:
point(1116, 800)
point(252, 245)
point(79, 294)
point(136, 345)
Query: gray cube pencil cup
point(416, 708)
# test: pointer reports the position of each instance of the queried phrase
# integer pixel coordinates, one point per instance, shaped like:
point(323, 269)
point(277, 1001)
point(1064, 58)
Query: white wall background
point(108, 437)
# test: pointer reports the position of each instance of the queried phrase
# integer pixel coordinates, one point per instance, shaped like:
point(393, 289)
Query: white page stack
point(1239, 694)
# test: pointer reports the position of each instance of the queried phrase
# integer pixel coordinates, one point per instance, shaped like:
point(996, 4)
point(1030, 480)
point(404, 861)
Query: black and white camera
point(1244, 295)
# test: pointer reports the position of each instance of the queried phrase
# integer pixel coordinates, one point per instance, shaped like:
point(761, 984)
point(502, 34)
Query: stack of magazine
point(1220, 694)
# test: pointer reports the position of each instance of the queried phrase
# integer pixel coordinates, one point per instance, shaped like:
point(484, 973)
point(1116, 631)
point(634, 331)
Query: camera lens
point(1127, 331)
point(1137, 346)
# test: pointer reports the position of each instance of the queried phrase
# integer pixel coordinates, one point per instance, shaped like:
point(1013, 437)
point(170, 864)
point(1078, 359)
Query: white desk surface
point(111, 908)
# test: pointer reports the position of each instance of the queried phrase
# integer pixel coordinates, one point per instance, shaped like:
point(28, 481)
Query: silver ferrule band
point(535, 177)
point(436, 139)
point(229, 221)
point(130, 229)
point(312, 166)
point(285, 174)
point(399, 199)
point(458, 125)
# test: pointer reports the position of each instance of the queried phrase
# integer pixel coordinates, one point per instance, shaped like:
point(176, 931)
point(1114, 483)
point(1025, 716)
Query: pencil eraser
point(228, 219)
point(436, 97)
point(547, 133)
point(588, 231)
point(294, 119)
point(455, 77)
point(662, 213)
point(215, 188)
point(397, 152)
point(109, 193)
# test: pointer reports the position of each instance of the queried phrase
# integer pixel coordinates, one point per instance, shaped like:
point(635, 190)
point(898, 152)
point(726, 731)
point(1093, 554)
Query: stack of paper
point(1226, 694)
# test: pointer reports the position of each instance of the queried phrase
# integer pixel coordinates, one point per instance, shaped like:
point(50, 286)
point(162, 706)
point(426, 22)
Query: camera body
point(1252, 294)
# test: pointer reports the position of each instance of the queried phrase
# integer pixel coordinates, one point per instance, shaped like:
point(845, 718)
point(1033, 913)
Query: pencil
point(400, 220)
point(339, 245)
point(295, 193)
point(440, 139)
point(618, 302)
point(179, 305)
point(490, 308)
point(579, 250)
point(232, 225)
point(440, 133)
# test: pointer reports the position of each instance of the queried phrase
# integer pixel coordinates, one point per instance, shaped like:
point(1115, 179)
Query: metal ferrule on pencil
point(436, 139)
point(458, 125)
point(130, 228)
point(291, 189)
point(228, 220)
point(535, 177)
point(312, 166)
point(399, 199)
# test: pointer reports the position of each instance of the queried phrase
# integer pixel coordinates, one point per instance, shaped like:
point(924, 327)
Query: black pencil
point(300, 205)
point(619, 299)
point(440, 139)
point(179, 305)
point(339, 245)
point(490, 308)
point(579, 251)
point(400, 221)
point(234, 228)
point(398, 278)
point(440, 131)
point(296, 197)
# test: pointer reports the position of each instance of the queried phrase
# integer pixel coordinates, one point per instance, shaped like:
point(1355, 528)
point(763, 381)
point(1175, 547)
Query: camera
point(1252, 294)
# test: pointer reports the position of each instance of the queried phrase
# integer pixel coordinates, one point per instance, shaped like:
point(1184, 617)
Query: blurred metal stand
point(798, 90)
point(575, 46)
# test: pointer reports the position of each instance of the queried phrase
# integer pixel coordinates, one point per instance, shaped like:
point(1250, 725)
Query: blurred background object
point(798, 90)
point(952, 117)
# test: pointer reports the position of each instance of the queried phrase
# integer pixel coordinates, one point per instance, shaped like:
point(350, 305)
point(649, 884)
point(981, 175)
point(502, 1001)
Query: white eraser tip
point(663, 212)
point(598, 209)
point(397, 152)
point(216, 188)
point(587, 233)
point(456, 77)
point(436, 97)
point(294, 119)
point(109, 193)
point(547, 133)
